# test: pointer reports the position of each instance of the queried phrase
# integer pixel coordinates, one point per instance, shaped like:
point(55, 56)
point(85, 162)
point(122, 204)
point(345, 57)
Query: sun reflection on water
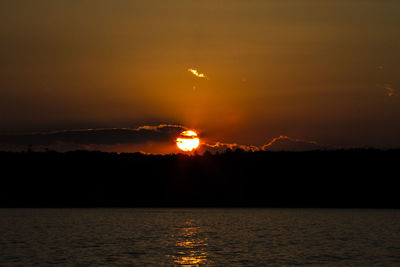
point(190, 246)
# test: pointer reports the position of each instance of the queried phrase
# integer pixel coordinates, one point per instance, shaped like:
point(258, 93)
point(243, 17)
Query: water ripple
point(193, 237)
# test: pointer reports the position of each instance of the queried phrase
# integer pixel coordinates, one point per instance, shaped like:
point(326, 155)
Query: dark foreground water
point(228, 237)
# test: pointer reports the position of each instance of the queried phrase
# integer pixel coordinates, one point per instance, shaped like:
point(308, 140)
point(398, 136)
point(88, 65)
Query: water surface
point(191, 237)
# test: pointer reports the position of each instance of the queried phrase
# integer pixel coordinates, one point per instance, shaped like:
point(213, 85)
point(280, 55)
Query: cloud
point(390, 91)
point(281, 143)
point(110, 136)
point(197, 74)
point(285, 143)
point(158, 139)
point(219, 147)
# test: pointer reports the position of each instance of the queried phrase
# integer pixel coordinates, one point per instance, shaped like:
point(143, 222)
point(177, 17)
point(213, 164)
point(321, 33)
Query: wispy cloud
point(219, 147)
point(280, 143)
point(286, 143)
point(390, 90)
point(197, 74)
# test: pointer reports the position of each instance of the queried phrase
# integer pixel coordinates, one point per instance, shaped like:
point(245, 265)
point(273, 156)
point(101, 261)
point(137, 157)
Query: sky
point(238, 72)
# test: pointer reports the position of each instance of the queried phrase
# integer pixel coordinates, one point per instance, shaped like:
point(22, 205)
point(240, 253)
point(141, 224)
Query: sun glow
point(188, 141)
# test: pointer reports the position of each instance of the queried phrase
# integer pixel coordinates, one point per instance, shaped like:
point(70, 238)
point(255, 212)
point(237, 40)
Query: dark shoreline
point(357, 178)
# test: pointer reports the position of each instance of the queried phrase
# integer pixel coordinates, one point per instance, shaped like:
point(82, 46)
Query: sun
point(188, 141)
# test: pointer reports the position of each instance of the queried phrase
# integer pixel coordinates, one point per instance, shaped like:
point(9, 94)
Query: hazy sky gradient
point(318, 70)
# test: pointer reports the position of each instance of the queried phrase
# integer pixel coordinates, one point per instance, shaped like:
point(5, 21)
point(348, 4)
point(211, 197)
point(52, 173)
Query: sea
point(194, 237)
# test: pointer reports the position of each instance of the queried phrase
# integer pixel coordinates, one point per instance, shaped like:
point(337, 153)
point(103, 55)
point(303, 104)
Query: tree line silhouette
point(356, 178)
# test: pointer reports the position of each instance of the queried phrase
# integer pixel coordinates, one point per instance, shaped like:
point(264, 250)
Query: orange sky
point(326, 71)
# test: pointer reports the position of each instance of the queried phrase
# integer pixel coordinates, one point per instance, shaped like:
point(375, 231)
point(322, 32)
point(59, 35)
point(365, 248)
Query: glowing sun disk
point(188, 141)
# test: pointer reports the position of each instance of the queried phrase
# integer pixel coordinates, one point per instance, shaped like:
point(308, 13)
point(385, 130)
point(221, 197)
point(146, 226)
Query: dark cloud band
point(143, 134)
point(111, 139)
